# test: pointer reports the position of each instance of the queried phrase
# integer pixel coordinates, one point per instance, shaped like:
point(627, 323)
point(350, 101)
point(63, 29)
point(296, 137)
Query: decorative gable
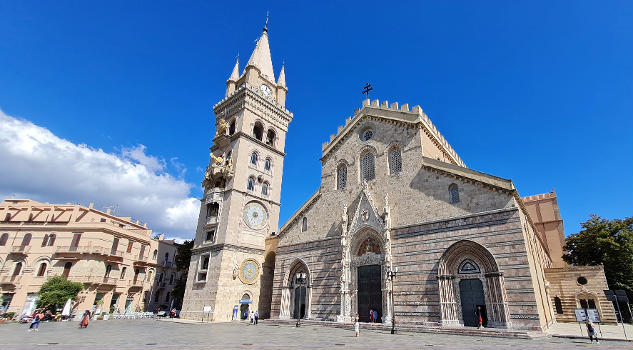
point(365, 214)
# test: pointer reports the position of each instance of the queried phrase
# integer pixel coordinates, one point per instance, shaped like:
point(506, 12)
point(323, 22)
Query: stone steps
point(471, 331)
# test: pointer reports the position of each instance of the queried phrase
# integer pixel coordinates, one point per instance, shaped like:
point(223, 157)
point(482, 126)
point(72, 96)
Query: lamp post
point(301, 279)
point(391, 274)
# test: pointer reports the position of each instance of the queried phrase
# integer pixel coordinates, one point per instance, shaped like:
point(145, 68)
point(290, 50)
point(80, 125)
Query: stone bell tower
point(242, 187)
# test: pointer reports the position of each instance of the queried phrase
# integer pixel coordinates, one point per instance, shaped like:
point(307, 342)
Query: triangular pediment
point(365, 213)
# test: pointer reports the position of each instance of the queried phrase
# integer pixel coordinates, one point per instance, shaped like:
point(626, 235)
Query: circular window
point(366, 135)
point(582, 280)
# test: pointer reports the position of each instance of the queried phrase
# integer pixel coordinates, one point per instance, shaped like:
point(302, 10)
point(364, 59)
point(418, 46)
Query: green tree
point(182, 264)
point(56, 291)
point(606, 242)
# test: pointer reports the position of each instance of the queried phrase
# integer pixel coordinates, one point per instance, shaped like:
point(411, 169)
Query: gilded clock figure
point(255, 215)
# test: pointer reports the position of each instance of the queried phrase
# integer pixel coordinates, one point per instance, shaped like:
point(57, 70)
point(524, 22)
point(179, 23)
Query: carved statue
point(220, 127)
point(217, 160)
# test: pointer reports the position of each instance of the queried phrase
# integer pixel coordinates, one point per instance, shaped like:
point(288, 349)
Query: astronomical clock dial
point(249, 271)
point(255, 215)
point(265, 90)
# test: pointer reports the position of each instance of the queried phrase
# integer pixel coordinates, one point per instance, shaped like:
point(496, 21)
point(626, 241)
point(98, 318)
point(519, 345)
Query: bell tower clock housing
point(242, 187)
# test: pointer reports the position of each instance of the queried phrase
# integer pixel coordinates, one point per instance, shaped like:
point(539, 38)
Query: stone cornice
point(247, 98)
point(251, 138)
point(226, 246)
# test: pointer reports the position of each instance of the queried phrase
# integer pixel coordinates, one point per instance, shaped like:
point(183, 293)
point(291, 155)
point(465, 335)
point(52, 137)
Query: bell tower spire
point(241, 194)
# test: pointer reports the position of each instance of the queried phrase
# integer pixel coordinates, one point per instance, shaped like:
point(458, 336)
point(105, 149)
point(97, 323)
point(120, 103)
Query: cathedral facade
point(399, 225)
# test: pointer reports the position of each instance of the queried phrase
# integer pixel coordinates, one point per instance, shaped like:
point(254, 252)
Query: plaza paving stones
point(152, 334)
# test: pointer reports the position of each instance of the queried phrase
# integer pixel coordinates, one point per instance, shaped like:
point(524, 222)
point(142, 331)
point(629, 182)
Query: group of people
point(253, 317)
point(40, 316)
point(373, 316)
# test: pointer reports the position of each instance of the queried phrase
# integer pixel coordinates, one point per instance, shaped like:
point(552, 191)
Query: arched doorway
point(266, 293)
point(367, 260)
point(245, 302)
point(296, 293)
point(469, 278)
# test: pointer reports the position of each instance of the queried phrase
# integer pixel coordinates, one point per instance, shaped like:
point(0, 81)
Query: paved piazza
point(151, 334)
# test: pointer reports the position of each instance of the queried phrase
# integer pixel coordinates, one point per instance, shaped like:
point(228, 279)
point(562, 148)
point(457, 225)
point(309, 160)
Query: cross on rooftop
point(367, 89)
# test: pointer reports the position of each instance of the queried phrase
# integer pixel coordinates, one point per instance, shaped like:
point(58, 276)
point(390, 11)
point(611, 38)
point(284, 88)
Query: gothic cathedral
point(400, 228)
point(242, 187)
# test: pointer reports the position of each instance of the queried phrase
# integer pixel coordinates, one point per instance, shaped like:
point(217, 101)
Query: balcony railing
point(138, 283)
point(20, 249)
point(10, 280)
point(96, 280)
point(212, 220)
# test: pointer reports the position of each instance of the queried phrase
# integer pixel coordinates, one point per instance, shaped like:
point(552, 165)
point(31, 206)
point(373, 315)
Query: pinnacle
point(260, 58)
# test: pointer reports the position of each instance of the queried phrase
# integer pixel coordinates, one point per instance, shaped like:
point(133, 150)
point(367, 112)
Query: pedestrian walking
point(357, 326)
point(375, 316)
point(85, 319)
point(256, 315)
point(371, 315)
point(479, 317)
point(35, 322)
point(591, 331)
point(252, 318)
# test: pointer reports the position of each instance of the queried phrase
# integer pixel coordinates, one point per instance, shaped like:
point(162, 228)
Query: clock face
point(266, 90)
point(249, 271)
point(255, 215)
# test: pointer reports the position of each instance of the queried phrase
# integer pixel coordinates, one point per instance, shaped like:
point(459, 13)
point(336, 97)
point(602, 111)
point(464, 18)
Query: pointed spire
point(282, 76)
point(260, 58)
point(236, 70)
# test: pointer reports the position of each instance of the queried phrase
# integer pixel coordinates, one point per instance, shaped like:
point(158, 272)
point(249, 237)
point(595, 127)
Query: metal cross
point(367, 89)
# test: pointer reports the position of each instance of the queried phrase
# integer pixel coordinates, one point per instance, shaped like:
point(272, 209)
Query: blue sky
point(539, 92)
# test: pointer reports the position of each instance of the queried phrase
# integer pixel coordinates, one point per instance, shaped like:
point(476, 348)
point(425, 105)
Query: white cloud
point(36, 164)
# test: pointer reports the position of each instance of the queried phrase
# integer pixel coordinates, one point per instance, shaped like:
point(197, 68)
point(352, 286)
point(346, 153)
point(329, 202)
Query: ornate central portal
point(369, 291)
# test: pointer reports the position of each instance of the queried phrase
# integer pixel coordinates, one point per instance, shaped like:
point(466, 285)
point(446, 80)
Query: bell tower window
point(270, 137)
point(258, 131)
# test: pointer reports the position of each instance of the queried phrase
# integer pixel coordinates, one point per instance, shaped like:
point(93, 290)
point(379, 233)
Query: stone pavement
point(608, 331)
point(152, 334)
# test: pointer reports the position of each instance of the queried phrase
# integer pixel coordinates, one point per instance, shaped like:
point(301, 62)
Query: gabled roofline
point(308, 203)
point(393, 113)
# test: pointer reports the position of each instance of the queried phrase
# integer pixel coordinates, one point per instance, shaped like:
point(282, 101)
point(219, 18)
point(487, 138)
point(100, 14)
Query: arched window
point(258, 131)
point(341, 177)
point(453, 193)
point(149, 276)
point(267, 164)
point(251, 184)
point(160, 277)
point(18, 269)
point(166, 259)
point(254, 158)
point(232, 127)
point(108, 270)
point(304, 224)
point(3, 239)
point(212, 210)
point(265, 189)
point(558, 305)
point(45, 241)
point(171, 279)
point(26, 240)
point(51, 239)
point(367, 168)
point(395, 161)
point(270, 137)
point(155, 254)
point(123, 271)
point(67, 267)
point(42, 270)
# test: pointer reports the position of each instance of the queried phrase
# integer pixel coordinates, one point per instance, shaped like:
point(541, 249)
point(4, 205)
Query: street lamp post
point(391, 274)
point(301, 279)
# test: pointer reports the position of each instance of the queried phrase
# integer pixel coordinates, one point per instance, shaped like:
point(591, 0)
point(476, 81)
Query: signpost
point(618, 296)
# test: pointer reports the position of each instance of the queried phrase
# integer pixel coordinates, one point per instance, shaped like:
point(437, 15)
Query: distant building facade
point(116, 259)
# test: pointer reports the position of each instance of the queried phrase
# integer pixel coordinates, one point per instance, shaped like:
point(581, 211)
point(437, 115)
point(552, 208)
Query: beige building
point(570, 287)
point(121, 266)
point(394, 195)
